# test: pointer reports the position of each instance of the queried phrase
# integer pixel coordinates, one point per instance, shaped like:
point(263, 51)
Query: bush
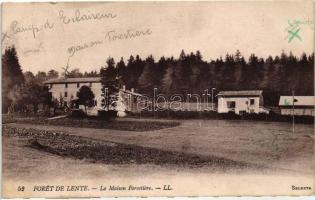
point(229, 116)
point(78, 114)
point(272, 116)
point(175, 114)
point(107, 115)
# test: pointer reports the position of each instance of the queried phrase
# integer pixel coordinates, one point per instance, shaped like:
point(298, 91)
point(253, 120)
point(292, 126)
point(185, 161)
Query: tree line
point(189, 73)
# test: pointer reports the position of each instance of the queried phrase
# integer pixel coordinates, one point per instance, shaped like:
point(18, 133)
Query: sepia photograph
point(157, 99)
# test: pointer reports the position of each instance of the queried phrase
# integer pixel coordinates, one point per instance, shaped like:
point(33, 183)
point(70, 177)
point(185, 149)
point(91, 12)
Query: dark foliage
point(99, 123)
point(110, 83)
point(107, 114)
point(189, 73)
point(85, 96)
point(224, 116)
point(77, 113)
point(11, 75)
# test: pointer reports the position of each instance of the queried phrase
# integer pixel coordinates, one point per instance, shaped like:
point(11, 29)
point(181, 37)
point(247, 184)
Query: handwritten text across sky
point(47, 36)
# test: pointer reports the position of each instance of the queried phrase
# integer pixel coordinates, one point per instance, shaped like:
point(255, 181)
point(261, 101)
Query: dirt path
point(265, 143)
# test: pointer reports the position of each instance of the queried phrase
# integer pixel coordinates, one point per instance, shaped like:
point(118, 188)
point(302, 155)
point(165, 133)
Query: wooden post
point(293, 111)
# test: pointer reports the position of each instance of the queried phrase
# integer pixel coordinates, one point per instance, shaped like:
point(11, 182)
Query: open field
point(23, 165)
point(267, 155)
point(109, 152)
point(58, 157)
point(267, 144)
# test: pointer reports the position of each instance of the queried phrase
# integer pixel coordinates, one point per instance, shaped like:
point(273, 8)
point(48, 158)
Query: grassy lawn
point(265, 155)
point(269, 144)
point(124, 125)
point(23, 164)
point(78, 147)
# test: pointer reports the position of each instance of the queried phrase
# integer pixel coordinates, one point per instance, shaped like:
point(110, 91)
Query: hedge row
point(229, 116)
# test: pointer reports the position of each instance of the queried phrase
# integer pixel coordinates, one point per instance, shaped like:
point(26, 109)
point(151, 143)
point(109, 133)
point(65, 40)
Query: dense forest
point(189, 73)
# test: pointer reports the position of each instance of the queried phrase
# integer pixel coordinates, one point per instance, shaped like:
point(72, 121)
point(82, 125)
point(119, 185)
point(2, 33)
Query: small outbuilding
point(241, 102)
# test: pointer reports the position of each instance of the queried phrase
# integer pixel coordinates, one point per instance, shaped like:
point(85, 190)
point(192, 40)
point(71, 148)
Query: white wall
point(72, 89)
point(240, 104)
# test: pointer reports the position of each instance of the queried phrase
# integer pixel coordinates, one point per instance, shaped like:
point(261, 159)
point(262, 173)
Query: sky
point(46, 38)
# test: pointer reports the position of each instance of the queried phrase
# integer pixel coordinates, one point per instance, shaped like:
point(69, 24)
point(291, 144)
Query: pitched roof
point(74, 80)
point(241, 93)
point(299, 101)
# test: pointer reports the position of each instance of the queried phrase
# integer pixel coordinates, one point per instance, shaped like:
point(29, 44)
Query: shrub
point(107, 115)
point(272, 116)
point(78, 114)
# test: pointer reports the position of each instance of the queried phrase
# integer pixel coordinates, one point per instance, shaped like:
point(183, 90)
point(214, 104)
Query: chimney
point(132, 90)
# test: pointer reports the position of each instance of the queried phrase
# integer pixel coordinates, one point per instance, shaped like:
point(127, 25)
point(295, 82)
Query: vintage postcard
point(146, 99)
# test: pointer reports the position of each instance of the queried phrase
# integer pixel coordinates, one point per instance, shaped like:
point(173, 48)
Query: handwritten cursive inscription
point(79, 17)
point(37, 49)
point(16, 28)
point(73, 49)
point(298, 23)
point(110, 36)
point(129, 34)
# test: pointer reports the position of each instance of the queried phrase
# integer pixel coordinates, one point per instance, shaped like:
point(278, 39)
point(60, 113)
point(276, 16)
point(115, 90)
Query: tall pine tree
point(109, 81)
point(11, 75)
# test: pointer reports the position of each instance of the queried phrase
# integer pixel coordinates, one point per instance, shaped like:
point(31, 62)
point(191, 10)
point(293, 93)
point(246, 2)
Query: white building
point(65, 90)
point(303, 105)
point(240, 102)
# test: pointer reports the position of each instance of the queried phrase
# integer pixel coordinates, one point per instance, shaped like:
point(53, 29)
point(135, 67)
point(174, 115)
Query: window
point(66, 85)
point(252, 101)
point(78, 85)
point(90, 84)
point(77, 94)
point(66, 94)
point(51, 85)
point(230, 104)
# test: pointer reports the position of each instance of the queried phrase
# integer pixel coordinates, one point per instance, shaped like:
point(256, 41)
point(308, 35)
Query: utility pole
point(293, 111)
point(154, 95)
point(212, 98)
point(106, 99)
